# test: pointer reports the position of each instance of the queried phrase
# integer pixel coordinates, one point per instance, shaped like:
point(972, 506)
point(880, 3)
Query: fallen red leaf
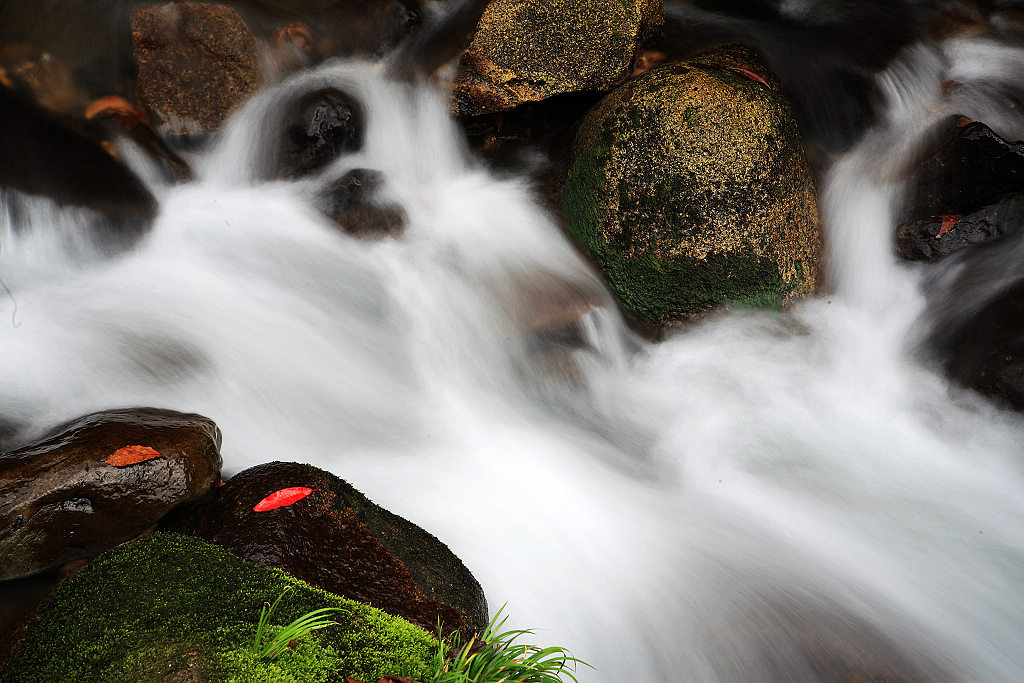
point(947, 224)
point(750, 74)
point(282, 497)
point(129, 455)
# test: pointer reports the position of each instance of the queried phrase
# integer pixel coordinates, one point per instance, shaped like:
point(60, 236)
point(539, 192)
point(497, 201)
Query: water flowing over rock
point(84, 488)
point(196, 62)
point(337, 539)
point(318, 127)
point(361, 27)
point(529, 51)
point(690, 188)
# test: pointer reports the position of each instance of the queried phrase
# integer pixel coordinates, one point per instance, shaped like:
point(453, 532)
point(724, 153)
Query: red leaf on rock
point(947, 224)
point(129, 455)
point(282, 497)
point(750, 74)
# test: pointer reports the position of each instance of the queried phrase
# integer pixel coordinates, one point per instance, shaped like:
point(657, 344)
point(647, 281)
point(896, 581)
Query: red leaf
point(749, 74)
point(947, 224)
point(282, 497)
point(129, 455)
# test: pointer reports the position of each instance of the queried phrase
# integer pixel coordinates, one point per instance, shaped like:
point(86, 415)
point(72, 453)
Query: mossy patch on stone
point(173, 607)
point(690, 188)
point(528, 50)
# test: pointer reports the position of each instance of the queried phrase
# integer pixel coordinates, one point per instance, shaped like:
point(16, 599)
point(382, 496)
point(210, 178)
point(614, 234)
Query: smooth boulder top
point(98, 481)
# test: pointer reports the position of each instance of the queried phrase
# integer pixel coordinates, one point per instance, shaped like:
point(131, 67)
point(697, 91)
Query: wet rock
point(932, 238)
point(318, 127)
point(689, 187)
point(49, 78)
point(117, 117)
point(987, 352)
point(337, 539)
point(351, 28)
point(349, 202)
point(196, 62)
point(970, 168)
point(61, 499)
point(48, 156)
point(529, 51)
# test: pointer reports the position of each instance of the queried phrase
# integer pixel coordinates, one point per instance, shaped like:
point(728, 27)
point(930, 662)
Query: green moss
point(177, 606)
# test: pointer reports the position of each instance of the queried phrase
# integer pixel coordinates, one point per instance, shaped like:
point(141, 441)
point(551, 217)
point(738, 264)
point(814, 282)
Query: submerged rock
point(337, 539)
point(318, 127)
point(196, 62)
point(98, 481)
point(529, 51)
point(690, 188)
point(935, 237)
point(350, 203)
point(177, 608)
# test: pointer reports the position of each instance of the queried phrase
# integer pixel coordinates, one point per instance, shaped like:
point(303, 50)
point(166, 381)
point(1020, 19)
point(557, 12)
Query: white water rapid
point(755, 498)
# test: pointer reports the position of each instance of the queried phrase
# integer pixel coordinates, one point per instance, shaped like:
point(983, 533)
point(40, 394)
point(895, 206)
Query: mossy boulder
point(528, 50)
point(690, 188)
point(177, 608)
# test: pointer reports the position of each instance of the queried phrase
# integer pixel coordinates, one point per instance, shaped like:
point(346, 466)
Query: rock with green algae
point(690, 188)
point(528, 50)
point(176, 608)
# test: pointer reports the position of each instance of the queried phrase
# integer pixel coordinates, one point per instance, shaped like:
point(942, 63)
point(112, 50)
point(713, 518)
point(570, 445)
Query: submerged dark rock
point(337, 539)
point(318, 127)
point(61, 499)
point(350, 203)
point(935, 237)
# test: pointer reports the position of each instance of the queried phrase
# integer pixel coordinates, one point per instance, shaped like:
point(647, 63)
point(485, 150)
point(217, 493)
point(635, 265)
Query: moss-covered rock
point(690, 188)
point(171, 607)
point(529, 50)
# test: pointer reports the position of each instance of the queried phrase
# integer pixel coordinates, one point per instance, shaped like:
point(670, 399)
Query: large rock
point(528, 50)
point(196, 62)
point(99, 481)
point(690, 188)
point(337, 539)
point(177, 608)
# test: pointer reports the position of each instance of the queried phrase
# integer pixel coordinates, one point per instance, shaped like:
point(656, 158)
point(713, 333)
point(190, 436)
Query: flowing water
point(765, 496)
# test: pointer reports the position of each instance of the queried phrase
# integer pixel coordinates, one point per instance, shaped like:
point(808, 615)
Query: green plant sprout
point(302, 626)
point(494, 658)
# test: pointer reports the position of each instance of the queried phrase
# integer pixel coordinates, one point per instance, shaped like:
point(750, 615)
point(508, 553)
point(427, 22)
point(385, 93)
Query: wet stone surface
point(319, 127)
point(62, 499)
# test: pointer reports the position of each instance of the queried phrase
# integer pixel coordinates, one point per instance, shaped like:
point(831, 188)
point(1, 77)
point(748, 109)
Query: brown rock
point(526, 51)
point(196, 62)
point(350, 203)
point(60, 500)
point(337, 539)
point(48, 77)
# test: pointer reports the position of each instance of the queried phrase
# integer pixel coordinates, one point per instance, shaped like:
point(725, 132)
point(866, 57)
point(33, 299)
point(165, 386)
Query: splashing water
point(764, 497)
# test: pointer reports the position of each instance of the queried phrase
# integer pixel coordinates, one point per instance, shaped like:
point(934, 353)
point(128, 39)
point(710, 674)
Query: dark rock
point(371, 28)
point(932, 238)
point(970, 168)
point(987, 353)
point(690, 188)
point(529, 51)
point(318, 127)
point(48, 156)
point(196, 62)
point(49, 78)
point(349, 202)
point(337, 539)
point(60, 500)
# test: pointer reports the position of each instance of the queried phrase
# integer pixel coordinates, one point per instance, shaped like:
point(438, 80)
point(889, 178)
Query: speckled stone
point(528, 50)
point(690, 188)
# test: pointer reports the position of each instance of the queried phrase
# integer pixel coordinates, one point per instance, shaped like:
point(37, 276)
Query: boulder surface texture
point(196, 62)
point(99, 481)
point(528, 50)
point(337, 539)
point(177, 608)
point(690, 188)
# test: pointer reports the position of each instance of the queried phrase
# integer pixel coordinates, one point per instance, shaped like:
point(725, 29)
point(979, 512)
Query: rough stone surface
point(528, 50)
point(337, 539)
point(690, 188)
point(318, 127)
point(935, 237)
point(196, 62)
point(350, 204)
point(970, 167)
point(60, 500)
